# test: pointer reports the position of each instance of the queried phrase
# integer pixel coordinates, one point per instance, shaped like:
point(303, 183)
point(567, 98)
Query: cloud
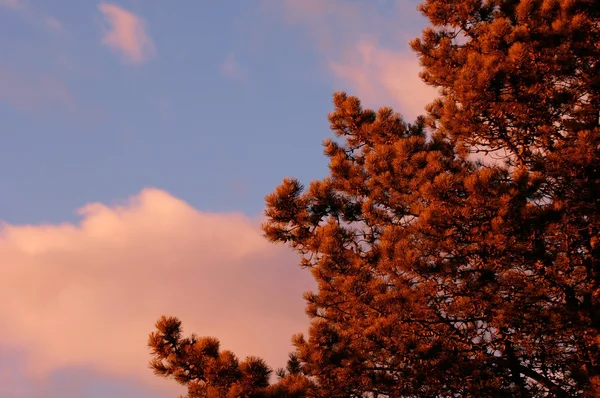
point(32, 14)
point(34, 92)
point(331, 24)
point(230, 68)
point(127, 34)
point(72, 382)
point(381, 76)
point(53, 23)
point(88, 294)
point(14, 4)
point(45, 96)
point(364, 46)
point(165, 109)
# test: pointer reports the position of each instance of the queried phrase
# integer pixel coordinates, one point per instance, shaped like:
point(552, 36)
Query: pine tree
point(440, 274)
point(207, 371)
point(521, 76)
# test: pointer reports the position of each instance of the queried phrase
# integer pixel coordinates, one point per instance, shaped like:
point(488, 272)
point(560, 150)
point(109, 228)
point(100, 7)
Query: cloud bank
point(126, 34)
point(87, 295)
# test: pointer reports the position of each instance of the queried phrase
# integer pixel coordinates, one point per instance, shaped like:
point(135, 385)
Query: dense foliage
point(440, 274)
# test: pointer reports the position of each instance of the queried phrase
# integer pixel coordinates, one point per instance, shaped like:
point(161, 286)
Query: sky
point(139, 139)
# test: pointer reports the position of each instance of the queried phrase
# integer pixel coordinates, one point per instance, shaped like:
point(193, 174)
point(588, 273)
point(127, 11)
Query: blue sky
point(211, 104)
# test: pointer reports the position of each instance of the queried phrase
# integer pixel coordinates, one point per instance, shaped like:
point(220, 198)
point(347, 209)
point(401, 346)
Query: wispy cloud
point(379, 76)
point(165, 109)
point(364, 47)
point(231, 69)
point(33, 15)
point(33, 92)
point(89, 294)
point(53, 23)
point(14, 4)
point(126, 34)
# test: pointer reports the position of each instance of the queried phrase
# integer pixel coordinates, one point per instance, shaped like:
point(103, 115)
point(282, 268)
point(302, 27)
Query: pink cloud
point(349, 37)
point(88, 294)
point(14, 4)
point(46, 96)
point(330, 24)
point(33, 92)
point(127, 34)
point(53, 23)
point(232, 69)
point(380, 76)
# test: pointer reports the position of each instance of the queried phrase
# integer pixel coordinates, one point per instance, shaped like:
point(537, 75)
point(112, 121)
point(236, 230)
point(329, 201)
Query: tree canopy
point(441, 273)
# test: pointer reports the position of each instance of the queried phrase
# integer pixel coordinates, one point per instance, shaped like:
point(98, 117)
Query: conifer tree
point(207, 371)
point(439, 274)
